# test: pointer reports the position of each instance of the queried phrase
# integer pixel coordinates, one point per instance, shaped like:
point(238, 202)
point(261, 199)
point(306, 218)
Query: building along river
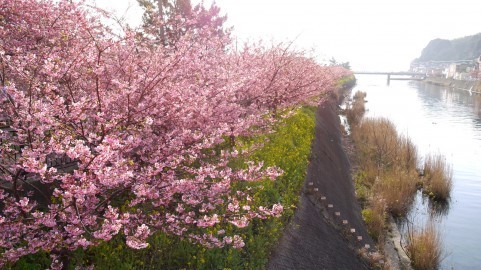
point(446, 121)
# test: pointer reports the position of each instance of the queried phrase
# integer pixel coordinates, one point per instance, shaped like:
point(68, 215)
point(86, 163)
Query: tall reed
point(376, 139)
point(397, 188)
point(438, 175)
point(356, 109)
point(387, 171)
point(424, 247)
point(407, 156)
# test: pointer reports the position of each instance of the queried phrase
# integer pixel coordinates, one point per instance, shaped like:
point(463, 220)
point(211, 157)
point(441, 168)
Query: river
point(445, 121)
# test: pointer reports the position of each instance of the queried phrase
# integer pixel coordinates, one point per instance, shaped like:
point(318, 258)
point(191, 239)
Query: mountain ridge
point(464, 48)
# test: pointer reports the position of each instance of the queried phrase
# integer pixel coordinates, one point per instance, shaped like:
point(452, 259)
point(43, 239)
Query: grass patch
point(425, 248)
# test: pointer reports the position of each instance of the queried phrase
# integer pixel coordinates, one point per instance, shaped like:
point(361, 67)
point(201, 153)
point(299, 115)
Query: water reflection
point(477, 105)
point(477, 122)
point(437, 209)
point(438, 97)
point(423, 209)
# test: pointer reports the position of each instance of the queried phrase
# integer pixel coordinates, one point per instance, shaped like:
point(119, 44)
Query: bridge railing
point(399, 73)
point(413, 75)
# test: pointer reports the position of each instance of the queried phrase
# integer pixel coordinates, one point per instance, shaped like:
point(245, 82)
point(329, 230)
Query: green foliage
point(346, 82)
point(367, 215)
point(375, 219)
point(38, 261)
point(361, 187)
point(287, 147)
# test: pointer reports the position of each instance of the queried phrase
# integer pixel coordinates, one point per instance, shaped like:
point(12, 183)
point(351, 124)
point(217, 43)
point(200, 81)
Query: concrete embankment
point(327, 231)
point(473, 86)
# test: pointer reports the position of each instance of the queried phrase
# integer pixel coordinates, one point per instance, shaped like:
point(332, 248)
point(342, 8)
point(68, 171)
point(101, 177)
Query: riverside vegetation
point(388, 176)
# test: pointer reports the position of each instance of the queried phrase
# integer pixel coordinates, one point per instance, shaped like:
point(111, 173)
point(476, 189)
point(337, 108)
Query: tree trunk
point(160, 6)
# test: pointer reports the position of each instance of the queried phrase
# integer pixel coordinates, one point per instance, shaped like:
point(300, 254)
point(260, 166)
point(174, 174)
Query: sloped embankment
point(473, 86)
point(327, 230)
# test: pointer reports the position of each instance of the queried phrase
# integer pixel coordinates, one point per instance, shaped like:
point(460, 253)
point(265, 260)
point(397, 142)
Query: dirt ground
point(327, 231)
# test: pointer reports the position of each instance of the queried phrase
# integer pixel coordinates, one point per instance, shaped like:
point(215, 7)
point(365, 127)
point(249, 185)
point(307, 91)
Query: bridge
point(417, 76)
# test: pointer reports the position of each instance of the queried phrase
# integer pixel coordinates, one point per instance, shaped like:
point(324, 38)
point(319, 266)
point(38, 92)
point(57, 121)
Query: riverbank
point(473, 86)
point(439, 120)
point(327, 231)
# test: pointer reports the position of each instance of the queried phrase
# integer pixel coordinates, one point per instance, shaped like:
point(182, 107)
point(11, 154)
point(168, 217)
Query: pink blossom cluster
point(139, 119)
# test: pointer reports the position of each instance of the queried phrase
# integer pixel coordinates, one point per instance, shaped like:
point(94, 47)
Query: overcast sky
point(371, 34)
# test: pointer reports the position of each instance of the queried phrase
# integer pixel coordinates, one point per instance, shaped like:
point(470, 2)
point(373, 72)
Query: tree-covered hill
point(464, 48)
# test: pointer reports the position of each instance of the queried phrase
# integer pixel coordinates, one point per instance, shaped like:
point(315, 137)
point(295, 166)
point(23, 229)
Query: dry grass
point(437, 177)
point(398, 189)
point(359, 95)
point(387, 180)
point(407, 155)
point(371, 170)
point(388, 177)
point(377, 140)
point(356, 110)
point(425, 248)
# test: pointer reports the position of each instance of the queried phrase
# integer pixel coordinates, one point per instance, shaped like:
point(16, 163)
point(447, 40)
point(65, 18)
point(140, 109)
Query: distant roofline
point(445, 61)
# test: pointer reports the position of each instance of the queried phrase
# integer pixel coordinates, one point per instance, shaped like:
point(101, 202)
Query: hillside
point(464, 48)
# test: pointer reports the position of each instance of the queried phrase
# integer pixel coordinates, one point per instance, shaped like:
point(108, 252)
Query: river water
point(446, 121)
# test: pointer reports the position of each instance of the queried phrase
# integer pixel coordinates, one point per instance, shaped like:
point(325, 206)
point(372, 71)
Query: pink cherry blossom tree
point(106, 133)
point(166, 21)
